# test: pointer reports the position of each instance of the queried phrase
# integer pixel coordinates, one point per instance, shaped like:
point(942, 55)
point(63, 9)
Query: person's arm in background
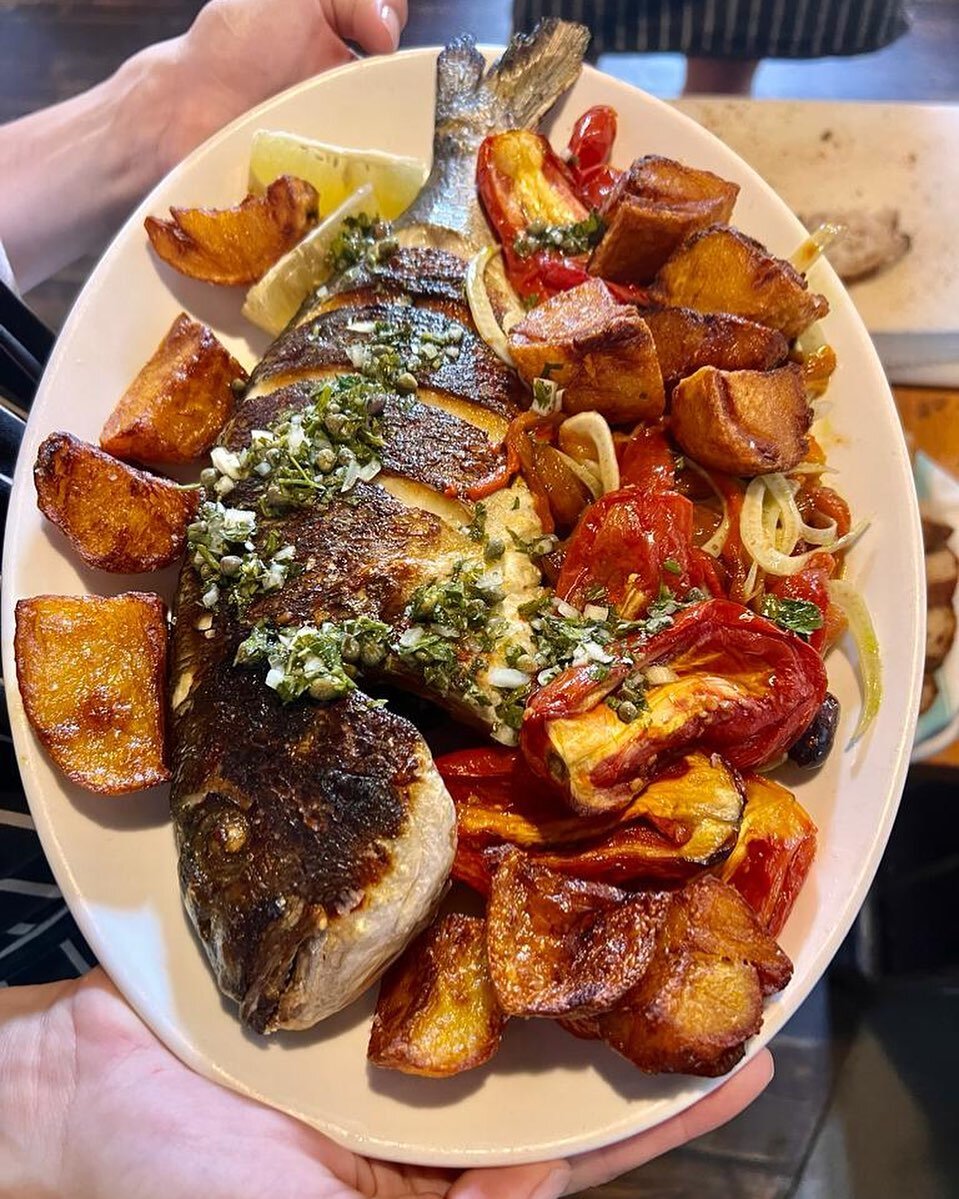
point(72, 172)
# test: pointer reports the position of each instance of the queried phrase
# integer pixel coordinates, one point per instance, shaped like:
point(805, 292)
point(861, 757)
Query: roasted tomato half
point(720, 679)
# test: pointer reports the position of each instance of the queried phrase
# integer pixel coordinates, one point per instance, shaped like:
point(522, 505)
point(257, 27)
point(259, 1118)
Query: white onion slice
point(714, 546)
point(659, 675)
point(850, 600)
point(769, 552)
point(481, 309)
point(506, 677)
point(811, 250)
point(590, 427)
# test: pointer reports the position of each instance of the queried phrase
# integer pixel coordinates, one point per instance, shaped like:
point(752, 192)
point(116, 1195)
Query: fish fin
point(537, 68)
point(459, 75)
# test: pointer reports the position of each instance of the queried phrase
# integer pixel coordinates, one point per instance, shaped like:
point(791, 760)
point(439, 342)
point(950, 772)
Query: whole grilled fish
point(344, 543)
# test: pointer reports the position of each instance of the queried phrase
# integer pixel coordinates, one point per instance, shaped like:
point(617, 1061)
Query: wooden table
point(930, 416)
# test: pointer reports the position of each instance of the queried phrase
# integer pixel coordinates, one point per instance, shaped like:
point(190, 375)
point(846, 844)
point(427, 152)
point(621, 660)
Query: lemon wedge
point(335, 171)
point(273, 301)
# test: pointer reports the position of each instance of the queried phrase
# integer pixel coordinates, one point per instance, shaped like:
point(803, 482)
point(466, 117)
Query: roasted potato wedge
point(237, 245)
point(92, 674)
point(176, 406)
point(117, 518)
point(559, 945)
point(437, 1013)
point(600, 351)
point(773, 853)
point(702, 996)
point(655, 204)
point(720, 269)
point(742, 422)
point(686, 340)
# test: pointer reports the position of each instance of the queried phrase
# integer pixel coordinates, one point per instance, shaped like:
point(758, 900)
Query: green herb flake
point(672, 566)
point(799, 616)
point(576, 238)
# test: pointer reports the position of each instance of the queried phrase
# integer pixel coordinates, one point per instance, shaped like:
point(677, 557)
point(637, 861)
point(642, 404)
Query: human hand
point(92, 1106)
point(240, 52)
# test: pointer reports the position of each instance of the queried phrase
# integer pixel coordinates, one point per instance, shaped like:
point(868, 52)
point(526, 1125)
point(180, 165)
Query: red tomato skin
point(591, 141)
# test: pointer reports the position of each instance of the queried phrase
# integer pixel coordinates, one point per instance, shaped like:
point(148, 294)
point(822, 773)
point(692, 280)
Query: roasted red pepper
point(773, 853)
point(521, 182)
point(590, 146)
point(737, 685)
point(687, 819)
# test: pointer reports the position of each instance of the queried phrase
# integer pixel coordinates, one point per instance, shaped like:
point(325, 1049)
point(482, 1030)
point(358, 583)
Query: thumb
point(373, 24)
point(540, 1180)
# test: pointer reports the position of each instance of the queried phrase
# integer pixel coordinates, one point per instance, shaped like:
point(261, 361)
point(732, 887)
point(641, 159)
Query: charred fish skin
point(316, 838)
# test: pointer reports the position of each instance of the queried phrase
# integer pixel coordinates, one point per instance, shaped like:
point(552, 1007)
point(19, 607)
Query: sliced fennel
point(850, 600)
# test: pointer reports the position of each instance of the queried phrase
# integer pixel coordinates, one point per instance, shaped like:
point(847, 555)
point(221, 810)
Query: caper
point(230, 565)
point(495, 548)
point(406, 383)
point(627, 711)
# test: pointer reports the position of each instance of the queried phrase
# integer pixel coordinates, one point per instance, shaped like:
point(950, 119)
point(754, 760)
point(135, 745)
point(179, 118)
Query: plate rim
point(27, 747)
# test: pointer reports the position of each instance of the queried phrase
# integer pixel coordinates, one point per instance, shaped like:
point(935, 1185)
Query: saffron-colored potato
point(117, 518)
point(773, 854)
point(437, 1012)
point(655, 204)
point(701, 998)
point(92, 674)
point(600, 351)
point(174, 409)
point(686, 340)
point(559, 944)
point(236, 245)
point(742, 422)
point(720, 269)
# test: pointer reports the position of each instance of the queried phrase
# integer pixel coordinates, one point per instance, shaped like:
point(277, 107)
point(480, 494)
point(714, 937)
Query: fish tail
point(472, 102)
point(537, 68)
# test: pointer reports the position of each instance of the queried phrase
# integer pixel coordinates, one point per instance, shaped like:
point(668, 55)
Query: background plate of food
point(545, 1093)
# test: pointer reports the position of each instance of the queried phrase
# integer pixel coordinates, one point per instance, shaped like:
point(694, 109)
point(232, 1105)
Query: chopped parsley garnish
point(310, 455)
point(672, 566)
point(396, 351)
point(361, 237)
point(799, 616)
point(575, 238)
point(227, 560)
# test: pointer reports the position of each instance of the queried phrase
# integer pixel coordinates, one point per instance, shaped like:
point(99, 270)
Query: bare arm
point(72, 172)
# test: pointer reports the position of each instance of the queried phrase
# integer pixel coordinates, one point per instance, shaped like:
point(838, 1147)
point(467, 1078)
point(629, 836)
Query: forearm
point(72, 172)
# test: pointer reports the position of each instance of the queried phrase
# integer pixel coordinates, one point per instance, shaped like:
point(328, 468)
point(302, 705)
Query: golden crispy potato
point(116, 517)
point(720, 269)
point(599, 350)
point(92, 675)
point(559, 945)
point(701, 997)
point(236, 245)
point(437, 1013)
point(773, 853)
point(175, 408)
point(686, 340)
point(742, 422)
point(655, 204)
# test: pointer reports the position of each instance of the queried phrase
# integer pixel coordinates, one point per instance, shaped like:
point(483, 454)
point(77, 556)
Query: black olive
point(812, 748)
